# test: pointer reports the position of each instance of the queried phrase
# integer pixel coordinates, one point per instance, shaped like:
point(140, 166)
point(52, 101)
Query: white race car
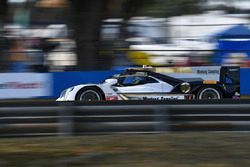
point(144, 84)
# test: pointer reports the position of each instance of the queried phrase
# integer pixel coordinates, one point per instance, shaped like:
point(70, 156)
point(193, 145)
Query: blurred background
point(47, 46)
point(80, 35)
point(45, 42)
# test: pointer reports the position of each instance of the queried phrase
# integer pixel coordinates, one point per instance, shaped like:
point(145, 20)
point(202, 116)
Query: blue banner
point(50, 85)
point(63, 80)
point(245, 81)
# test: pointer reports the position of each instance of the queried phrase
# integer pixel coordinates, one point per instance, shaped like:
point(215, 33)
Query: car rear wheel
point(209, 93)
point(89, 95)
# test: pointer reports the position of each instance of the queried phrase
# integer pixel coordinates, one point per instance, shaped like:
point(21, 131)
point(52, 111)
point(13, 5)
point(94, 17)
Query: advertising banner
point(24, 85)
point(204, 72)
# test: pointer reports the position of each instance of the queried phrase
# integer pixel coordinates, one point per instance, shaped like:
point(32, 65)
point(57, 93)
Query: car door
point(139, 87)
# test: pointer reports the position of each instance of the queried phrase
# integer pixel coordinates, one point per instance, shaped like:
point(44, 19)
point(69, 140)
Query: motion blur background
point(45, 42)
point(77, 35)
point(47, 46)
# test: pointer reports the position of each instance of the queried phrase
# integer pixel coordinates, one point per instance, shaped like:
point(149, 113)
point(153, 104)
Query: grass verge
point(161, 150)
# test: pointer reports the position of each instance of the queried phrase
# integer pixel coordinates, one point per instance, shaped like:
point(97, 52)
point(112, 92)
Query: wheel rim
point(90, 95)
point(209, 93)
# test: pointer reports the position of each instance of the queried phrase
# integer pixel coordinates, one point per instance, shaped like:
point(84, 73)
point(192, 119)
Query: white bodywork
point(153, 91)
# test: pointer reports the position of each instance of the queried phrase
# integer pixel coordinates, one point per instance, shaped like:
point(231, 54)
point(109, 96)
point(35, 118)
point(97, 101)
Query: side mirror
point(111, 81)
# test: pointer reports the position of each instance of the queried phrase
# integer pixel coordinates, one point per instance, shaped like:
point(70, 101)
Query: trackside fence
point(68, 118)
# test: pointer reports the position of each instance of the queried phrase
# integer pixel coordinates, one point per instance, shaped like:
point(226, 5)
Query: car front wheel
point(89, 95)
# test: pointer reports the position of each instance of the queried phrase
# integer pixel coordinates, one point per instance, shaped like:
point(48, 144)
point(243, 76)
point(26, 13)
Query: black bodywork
point(229, 84)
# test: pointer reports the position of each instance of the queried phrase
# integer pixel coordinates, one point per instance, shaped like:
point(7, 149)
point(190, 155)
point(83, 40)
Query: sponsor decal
point(208, 72)
point(203, 72)
point(162, 98)
point(24, 85)
point(110, 98)
point(20, 85)
point(210, 82)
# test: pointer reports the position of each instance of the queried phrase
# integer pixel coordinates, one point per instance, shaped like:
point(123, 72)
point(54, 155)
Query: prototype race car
point(145, 84)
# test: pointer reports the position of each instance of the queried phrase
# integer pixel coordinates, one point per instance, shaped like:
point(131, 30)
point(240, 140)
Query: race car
point(146, 84)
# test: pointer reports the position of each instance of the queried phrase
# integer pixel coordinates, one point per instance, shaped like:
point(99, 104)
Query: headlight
point(185, 87)
point(70, 89)
point(64, 92)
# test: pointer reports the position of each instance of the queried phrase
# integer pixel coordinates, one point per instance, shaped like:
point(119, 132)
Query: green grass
point(163, 150)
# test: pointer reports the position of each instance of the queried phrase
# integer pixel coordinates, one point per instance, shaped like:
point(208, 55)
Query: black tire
point(88, 95)
point(209, 93)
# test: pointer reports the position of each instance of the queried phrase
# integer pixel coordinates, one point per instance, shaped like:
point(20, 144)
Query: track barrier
point(71, 118)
